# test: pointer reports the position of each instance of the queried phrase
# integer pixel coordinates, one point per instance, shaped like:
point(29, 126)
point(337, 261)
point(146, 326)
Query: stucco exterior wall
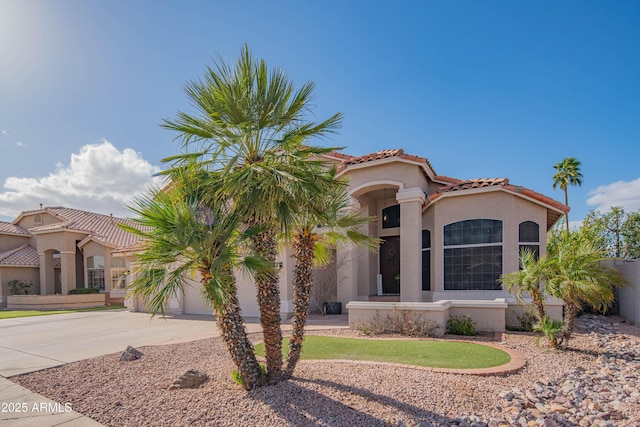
point(491, 204)
point(10, 241)
point(26, 274)
point(629, 296)
point(408, 174)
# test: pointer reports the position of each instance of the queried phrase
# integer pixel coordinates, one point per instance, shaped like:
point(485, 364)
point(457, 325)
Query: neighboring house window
point(426, 260)
point(529, 237)
point(118, 273)
point(391, 217)
point(473, 255)
point(95, 272)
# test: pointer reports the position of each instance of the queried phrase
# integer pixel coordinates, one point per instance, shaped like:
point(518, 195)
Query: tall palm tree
point(567, 173)
point(254, 128)
point(577, 276)
point(185, 232)
point(528, 280)
point(310, 242)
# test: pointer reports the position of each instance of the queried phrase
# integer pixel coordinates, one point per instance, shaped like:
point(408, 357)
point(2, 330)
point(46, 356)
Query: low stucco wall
point(488, 315)
point(553, 308)
point(54, 302)
point(629, 296)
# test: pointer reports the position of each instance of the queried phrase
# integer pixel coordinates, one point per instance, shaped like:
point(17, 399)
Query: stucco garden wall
point(629, 296)
point(54, 302)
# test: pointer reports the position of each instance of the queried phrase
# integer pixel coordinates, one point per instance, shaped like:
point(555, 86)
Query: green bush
point(84, 291)
point(235, 375)
point(403, 322)
point(19, 287)
point(526, 323)
point(461, 325)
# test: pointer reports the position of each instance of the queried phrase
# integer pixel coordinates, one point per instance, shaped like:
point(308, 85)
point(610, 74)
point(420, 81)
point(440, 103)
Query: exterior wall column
point(347, 268)
point(68, 272)
point(411, 201)
point(47, 285)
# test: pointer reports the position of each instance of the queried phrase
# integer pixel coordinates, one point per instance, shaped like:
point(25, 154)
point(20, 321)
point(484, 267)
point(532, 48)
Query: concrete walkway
point(29, 344)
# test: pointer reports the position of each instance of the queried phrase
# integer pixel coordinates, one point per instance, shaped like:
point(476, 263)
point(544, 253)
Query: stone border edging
point(516, 363)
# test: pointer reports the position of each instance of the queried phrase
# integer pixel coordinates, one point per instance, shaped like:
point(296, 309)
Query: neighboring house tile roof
point(103, 229)
point(474, 183)
point(9, 228)
point(24, 255)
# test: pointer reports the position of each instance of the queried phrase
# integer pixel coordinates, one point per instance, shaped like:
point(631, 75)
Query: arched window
point(473, 255)
point(95, 272)
point(391, 217)
point(529, 237)
point(426, 260)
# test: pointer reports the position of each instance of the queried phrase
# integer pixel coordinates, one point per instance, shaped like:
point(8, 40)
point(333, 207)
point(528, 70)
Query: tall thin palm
point(567, 173)
point(577, 277)
point(528, 281)
point(252, 127)
point(185, 232)
point(310, 242)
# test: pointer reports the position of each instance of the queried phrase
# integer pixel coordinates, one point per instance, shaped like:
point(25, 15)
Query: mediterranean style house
point(445, 241)
point(58, 249)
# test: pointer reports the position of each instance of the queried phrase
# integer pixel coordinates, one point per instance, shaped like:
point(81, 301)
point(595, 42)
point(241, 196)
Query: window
point(391, 217)
point(95, 272)
point(529, 237)
point(426, 260)
point(118, 273)
point(473, 255)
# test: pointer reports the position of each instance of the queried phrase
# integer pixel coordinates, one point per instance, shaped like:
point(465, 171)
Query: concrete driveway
point(29, 344)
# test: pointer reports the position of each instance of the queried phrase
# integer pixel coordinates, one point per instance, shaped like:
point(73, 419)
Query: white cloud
point(625, 194)
point(21, 144)
point(4, 132)
point(99, 178)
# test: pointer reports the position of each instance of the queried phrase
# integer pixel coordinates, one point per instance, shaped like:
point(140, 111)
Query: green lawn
point(436, 354)
point(10, 314)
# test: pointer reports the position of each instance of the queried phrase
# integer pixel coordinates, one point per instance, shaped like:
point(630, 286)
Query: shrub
point(461, 325)
point(84, 291)
point(19, 287)
point(526, 323)
point(552, 330)
point(235, 375)
point(404, 323)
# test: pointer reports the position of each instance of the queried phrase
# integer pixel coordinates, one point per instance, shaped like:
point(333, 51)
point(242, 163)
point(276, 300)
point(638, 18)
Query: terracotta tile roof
point(24, 255)
point(9, 228)
point(384, 154)
point(101, 228)
point(474, 183)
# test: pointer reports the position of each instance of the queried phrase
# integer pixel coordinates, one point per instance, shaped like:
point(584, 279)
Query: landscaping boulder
point(130, 354)
point(190, 379)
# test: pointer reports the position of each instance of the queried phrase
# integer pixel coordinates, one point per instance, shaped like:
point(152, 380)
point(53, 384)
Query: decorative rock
point(190, 379)
point(131, 354)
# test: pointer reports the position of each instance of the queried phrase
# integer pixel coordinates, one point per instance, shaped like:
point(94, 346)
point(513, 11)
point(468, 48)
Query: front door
point(390, 264)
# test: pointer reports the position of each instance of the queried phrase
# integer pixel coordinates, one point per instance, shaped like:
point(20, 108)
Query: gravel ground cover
point(595, 383)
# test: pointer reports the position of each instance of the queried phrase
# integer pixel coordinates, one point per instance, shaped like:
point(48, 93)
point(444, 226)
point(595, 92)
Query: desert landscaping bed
point(594, 383)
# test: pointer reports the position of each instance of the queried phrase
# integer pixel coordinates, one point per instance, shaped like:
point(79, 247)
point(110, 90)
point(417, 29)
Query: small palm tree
point(311, 245)
point(185, 233)
point(577, 276)
point(254, 128)
point(528, 280)
point(568, 173)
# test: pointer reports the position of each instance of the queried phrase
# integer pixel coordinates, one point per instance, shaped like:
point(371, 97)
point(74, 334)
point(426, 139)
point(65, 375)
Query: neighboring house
point(58, 249)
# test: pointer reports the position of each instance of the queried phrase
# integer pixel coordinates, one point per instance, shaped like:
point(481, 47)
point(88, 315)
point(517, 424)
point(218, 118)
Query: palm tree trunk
point(538, 303)
point(303, 247)
point(566, 202)
point(265, 246)
point(239, 347)
point(570, 315)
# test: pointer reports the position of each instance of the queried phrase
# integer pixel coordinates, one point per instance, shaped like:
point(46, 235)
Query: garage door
point(193, 301)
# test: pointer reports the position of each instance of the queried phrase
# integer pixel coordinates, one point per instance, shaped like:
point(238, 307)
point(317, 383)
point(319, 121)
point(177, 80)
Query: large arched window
point(529, 237)
point(95, 272)
point(473, 255)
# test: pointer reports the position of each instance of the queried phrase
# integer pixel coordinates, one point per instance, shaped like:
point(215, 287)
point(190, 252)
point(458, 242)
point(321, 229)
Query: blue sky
point(481, 88)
